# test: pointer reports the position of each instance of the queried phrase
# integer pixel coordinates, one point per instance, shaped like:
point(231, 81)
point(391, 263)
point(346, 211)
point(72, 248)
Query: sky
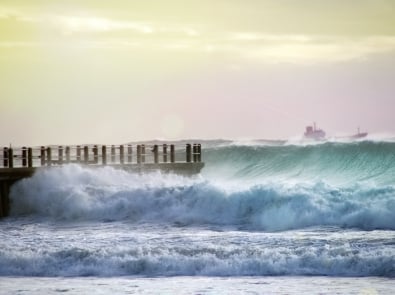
point(96, 71)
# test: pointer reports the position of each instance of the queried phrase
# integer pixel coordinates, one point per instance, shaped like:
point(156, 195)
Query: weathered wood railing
point(98, 155)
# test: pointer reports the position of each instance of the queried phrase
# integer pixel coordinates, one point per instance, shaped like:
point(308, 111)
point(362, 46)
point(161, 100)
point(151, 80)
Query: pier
point(23, 162)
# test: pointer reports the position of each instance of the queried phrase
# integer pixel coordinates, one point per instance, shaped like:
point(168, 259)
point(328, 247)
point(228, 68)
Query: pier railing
point(11, 157)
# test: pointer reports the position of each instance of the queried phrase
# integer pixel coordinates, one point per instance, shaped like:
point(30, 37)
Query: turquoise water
point(269, 217)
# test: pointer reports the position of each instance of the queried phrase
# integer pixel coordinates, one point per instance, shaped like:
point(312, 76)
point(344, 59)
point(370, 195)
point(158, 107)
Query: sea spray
point(77, 193)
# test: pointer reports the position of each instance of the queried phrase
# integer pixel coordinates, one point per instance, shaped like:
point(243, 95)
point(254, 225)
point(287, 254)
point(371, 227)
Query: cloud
point(257, 46)
point(71, 24)
point(87, 24)
point(257, 36)
point(301, 48)
point(80, 23)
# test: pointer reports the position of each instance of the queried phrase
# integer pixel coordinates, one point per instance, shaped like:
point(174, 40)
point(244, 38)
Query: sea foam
point(77, 193)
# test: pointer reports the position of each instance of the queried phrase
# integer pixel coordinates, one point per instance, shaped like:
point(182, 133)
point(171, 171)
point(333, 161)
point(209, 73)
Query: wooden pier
point(19, 163)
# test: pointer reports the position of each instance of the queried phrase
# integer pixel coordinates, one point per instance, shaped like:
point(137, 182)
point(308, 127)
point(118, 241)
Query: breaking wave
point(203, 260)
point(77, 193)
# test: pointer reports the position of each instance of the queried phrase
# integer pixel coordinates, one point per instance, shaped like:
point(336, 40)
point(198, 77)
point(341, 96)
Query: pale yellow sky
point(115, 71)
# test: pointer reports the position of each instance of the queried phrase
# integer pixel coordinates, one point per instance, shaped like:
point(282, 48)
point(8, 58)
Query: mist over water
point(261, 208)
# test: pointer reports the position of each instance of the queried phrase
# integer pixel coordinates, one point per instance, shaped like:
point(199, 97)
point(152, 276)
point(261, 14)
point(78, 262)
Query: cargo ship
point(313, 133)
point(359, 135)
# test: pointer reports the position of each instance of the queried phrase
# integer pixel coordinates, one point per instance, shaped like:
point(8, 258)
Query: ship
point(359, 135)
point(313, 133)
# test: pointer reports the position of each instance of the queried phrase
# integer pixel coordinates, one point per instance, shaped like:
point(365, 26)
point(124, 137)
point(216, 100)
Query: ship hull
point(359, 135)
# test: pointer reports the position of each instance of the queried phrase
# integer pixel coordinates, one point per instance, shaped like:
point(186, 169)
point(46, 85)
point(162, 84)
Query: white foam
point(119, 250)
point(77, 193)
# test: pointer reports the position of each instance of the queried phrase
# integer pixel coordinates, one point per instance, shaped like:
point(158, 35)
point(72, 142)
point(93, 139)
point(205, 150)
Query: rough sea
point(263, 217)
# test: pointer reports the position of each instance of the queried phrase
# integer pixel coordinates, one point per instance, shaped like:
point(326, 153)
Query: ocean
point(262, 217)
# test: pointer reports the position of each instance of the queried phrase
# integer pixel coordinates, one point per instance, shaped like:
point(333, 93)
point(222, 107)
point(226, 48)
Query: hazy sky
point(98, 71)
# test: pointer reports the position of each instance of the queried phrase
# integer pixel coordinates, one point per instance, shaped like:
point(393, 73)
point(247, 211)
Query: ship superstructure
point(313, 133)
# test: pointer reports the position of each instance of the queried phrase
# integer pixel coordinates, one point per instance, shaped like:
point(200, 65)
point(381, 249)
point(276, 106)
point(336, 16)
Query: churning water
point(258, 214)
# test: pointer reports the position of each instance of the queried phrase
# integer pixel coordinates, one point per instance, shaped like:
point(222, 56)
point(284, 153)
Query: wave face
point(332, 162)
point(260, 187)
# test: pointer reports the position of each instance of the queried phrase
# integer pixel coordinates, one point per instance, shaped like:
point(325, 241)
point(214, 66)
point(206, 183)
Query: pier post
point(30, 157)
point(60, 155)
point(172, 153)
point(78, 154)
point(112, 154)
point(42, 155)
point(130, 153)
point(10, 158)
point(121, 154)
point(164, 153)
point(24, 156)
point(199, 150)
point(195, 152)
point(104, 154)
point(138, 154)
point(188, 152)
point(5, 157)
point(142, 153)
point(67, 154)
point(86, 154)
point(49, 156)
point(95, 154)
point(4, 198)
point(155, 150)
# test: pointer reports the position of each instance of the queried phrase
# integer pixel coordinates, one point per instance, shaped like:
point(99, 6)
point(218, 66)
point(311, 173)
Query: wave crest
point(332, 162)
point(77, 193)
